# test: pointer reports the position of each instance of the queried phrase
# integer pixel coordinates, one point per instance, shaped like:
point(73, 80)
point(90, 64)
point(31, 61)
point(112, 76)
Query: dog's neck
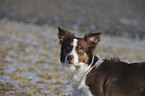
point(77, 74)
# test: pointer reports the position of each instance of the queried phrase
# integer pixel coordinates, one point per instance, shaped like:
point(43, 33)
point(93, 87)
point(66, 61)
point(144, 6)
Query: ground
point(29, 56)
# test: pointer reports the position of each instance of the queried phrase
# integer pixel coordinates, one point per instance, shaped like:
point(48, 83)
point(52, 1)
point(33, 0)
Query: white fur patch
point(76, 75)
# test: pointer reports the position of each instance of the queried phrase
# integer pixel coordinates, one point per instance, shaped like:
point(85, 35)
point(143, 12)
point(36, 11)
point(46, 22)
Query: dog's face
point(76, 50)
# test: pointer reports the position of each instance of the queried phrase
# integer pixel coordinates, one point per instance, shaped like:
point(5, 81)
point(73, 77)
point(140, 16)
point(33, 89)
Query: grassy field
point(29, 58)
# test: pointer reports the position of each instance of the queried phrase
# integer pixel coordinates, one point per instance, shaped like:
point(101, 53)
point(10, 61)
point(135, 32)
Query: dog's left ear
point(92, 38)
point(64, 34)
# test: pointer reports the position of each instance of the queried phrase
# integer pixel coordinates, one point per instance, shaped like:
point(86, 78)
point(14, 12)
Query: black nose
point(70, 58)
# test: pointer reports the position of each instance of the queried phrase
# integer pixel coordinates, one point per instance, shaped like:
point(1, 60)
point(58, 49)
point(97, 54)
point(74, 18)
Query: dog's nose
point(70, 58)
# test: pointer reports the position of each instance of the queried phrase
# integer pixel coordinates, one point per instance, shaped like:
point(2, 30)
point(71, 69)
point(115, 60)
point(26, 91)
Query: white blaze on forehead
point(73, 52)
point(75, 43)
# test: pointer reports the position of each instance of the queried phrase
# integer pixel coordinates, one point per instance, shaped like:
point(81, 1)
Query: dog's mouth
point(69, 62)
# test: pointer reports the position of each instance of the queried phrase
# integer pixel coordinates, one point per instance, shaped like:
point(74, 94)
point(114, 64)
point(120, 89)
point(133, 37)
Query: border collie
point(91, 75)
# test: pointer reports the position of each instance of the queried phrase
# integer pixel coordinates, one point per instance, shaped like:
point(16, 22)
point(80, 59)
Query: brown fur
point(116, 78)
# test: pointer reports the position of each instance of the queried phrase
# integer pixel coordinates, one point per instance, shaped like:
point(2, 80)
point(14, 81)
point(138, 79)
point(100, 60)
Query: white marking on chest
point(77, 76)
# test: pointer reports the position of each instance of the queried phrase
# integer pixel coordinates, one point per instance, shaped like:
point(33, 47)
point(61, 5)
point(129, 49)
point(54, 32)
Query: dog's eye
point(79, 48)
point(69, 47)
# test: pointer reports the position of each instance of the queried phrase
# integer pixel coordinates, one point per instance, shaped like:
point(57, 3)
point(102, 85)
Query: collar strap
point(91, 66)
point(99, 61)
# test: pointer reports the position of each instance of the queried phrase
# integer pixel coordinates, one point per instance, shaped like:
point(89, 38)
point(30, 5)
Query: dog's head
point(76, 50)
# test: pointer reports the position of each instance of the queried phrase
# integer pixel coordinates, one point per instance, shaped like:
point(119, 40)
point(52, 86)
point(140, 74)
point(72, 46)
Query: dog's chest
point(77, 77)
point(82, 91)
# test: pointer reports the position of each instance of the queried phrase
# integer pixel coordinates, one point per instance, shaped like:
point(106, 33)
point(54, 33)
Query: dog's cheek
point(84, 58)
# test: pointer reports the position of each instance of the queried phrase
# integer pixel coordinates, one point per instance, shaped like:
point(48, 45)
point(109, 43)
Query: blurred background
point(115, 17)
point(29, 48)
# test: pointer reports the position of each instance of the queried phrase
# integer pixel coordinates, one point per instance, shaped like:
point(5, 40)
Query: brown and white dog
point(91, 75)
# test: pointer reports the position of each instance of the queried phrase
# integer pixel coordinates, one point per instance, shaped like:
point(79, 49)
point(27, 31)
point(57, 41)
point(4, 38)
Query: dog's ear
point(92, 38)
point(64, 34)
